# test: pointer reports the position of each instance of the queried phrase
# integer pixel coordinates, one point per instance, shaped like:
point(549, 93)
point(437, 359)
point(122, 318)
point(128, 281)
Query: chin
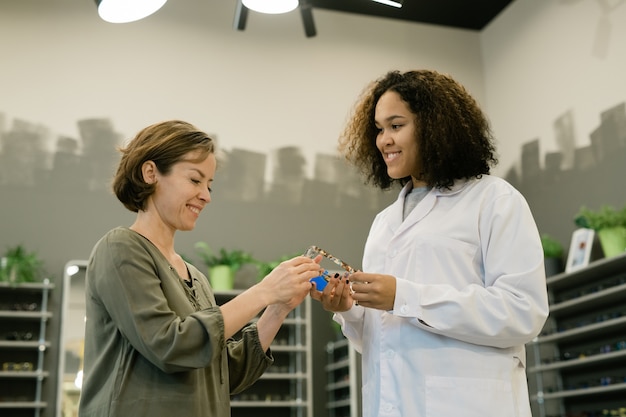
point(187, 227)
point(395, 175)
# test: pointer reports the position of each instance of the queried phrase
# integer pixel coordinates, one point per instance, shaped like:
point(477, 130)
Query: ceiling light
point(271, 6)
point(394, 3)
point(124, 11)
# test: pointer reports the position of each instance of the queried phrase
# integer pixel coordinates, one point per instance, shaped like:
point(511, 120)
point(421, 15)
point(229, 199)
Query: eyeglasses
point(321, 281)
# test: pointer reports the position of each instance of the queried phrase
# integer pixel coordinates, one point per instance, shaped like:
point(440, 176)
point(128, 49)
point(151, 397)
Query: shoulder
point(489, 186)
point(486, 191)
point(122, 241)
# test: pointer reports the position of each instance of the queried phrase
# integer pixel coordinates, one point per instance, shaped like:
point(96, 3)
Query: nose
point(384, 138)
point(205, 196)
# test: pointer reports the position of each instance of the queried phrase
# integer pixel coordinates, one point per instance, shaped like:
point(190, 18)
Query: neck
point(156, 232)
point(417, 183)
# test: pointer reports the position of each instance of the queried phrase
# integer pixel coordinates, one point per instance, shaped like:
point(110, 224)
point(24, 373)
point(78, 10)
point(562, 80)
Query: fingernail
point(336, 274)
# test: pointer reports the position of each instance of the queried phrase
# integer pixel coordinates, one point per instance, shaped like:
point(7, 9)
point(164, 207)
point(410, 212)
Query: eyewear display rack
point(344, 383)
point(286, 388)
point(23, 322)
point(579, 360)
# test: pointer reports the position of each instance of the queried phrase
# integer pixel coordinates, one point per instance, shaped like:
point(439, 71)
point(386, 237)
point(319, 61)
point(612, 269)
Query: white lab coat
point(470, 292)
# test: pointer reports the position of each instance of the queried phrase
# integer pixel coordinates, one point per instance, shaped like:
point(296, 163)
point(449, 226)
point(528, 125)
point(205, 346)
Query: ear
point(149, 172)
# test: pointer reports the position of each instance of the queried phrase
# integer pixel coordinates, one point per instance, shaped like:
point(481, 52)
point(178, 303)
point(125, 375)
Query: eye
point(195, 181)
point(396, 127)
point(210, 189)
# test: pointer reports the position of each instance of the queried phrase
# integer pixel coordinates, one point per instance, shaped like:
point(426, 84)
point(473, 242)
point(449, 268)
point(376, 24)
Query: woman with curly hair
point(453, 282)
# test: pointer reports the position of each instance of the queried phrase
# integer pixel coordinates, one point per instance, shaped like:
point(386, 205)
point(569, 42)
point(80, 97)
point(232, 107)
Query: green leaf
point(606, 217)
point(234, 258)
point(19, 265)
point(552, 248)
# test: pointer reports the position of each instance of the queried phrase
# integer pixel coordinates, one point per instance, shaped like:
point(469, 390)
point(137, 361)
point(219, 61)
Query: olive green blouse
point(153, 346)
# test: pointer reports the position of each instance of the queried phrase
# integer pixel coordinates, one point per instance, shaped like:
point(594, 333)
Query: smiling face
point(181, 194)
point(396, 138)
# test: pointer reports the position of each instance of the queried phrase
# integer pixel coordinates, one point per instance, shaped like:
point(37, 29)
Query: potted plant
point(552, 254)
point(222, 265)
point(18, 265)
point(610, 225)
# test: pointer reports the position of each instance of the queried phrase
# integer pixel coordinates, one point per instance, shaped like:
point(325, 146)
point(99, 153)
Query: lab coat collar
point(455, 189)
point(424, 206)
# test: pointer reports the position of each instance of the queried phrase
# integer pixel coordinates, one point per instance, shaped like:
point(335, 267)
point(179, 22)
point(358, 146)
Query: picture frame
point(580, 249)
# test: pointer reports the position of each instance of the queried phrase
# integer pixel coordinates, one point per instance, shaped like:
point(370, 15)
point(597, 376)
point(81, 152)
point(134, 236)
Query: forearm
point(269, 323)
point(242, 309)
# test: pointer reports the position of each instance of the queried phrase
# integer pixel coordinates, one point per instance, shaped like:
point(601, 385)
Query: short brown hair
point(164, 143)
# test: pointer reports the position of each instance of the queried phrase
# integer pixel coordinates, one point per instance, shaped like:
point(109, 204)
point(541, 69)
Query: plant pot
point(246, 276)
point(221, 278)
point(613, 241)
point(553, 266)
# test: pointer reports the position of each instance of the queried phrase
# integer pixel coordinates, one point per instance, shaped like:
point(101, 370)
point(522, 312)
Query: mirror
point(72, 338)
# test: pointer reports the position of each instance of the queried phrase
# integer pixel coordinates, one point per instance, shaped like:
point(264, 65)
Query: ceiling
point(463, 14)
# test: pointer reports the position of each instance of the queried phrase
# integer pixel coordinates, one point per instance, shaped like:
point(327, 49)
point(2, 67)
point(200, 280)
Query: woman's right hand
point(289, 283)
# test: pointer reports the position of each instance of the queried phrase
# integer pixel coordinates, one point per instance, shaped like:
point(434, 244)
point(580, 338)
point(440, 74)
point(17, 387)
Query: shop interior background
point(550, 75)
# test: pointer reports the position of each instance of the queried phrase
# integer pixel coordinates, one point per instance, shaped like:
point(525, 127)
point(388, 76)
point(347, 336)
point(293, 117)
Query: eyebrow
point(391, 118)
point(200, 173)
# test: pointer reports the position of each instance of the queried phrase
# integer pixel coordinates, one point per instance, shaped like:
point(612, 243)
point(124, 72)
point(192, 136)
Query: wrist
point(262, 294)
point(280, 310)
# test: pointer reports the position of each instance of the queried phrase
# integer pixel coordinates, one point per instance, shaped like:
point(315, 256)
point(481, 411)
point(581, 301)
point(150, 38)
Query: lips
point(391, 156)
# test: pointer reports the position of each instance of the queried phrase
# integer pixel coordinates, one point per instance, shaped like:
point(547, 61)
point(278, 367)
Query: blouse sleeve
point(124, 280)
point(246, 359)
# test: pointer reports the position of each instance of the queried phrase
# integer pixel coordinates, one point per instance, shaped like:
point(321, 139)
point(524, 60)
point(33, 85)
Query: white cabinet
point(23, 345)
point(286, 388)
point(577, 365)
point(344, 383)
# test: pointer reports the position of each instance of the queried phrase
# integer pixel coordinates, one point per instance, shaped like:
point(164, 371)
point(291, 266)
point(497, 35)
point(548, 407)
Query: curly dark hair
point(454, 136)
point(164, 143)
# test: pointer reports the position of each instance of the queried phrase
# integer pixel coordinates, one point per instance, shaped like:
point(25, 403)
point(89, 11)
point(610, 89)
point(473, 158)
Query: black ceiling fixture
point(306, 11)
point(461, 14)
point(241, 16)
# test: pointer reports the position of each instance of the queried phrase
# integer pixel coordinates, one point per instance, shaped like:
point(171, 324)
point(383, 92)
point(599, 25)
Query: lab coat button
point(404, 310)
point(389, 354)
point(387, 408)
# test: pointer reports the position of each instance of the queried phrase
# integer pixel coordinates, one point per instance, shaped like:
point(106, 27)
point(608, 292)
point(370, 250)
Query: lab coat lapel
point(423, 207)
point(419, 212)
point(394, 218)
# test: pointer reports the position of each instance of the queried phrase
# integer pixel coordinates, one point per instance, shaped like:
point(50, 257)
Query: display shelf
point(23, 404)
point(577, 365)
point(286, 388)
point(23, 374)
point(343, 379)
point(23, 345)
point(24, 319)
